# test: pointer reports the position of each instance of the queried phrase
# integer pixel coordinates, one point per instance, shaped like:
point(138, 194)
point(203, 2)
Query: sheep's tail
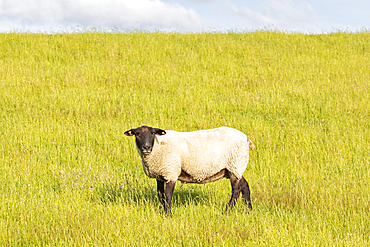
point(251, 145)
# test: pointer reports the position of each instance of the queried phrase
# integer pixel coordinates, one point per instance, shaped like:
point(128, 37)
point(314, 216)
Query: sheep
point(200, 156)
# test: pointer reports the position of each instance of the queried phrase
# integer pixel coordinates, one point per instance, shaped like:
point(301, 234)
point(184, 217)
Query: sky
point(53, 16)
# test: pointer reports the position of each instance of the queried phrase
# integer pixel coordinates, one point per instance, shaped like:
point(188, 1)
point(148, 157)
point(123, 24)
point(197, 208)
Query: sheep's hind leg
point(235, 191)
point(245, 192)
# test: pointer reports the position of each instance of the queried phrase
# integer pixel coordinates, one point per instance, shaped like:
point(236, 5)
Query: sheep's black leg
point(246, 192)
point(170, 186)
point(160, 191)
point(235, 191)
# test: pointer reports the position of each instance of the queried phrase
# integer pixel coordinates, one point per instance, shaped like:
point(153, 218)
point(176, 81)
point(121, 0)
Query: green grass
point(70, 177)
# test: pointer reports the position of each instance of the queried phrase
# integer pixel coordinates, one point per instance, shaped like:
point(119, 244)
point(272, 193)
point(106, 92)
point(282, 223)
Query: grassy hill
point(70, 177)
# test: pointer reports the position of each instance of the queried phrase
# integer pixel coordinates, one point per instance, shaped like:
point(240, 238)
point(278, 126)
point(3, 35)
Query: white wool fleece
point(200, 154)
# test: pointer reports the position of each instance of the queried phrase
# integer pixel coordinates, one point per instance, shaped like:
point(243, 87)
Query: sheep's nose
point(146, 148)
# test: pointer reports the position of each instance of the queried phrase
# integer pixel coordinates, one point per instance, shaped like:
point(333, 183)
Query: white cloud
point(289, 11)
point(281, 14)
point(143, 14)
point(203, 1)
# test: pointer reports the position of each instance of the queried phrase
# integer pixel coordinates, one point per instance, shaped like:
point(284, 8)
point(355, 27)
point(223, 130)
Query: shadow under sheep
point(129, 191)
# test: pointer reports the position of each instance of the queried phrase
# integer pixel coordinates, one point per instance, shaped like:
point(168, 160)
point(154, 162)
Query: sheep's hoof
point(168, 214)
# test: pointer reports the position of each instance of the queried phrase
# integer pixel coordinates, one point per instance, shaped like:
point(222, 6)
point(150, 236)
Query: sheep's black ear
point(129, 132)
point(159, 132)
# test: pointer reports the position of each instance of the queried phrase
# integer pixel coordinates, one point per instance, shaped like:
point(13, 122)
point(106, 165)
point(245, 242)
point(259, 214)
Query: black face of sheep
point(144, 137)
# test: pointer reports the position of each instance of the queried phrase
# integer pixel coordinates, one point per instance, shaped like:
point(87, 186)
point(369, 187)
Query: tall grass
point(68, 175)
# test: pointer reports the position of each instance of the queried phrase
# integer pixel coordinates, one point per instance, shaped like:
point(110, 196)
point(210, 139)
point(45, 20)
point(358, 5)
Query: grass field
point(70, 177)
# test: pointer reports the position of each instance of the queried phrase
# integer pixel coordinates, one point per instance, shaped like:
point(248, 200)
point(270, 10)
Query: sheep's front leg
point(160, 191)
point(170, 187)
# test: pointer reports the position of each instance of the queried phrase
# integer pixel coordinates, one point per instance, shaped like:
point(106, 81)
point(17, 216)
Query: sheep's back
point(204, 153)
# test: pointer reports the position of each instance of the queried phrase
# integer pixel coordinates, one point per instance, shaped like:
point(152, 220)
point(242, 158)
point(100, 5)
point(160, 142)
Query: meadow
point(70, 177)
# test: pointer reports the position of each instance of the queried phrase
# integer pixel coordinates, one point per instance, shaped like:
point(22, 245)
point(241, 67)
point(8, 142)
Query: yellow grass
point(69, 177)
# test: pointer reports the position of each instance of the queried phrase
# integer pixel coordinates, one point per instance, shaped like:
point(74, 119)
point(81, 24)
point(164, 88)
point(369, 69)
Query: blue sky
point(317, 16)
